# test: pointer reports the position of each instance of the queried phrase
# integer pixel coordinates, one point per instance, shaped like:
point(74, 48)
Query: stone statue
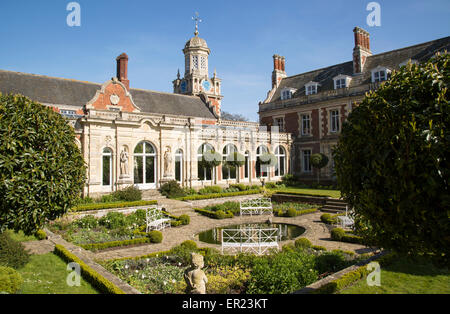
point(124, 163)
point(195, 277)
point(168, 163)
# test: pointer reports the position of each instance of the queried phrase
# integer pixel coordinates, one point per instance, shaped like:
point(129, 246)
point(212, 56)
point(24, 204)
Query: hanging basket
point(211, 159)
point(268, 159)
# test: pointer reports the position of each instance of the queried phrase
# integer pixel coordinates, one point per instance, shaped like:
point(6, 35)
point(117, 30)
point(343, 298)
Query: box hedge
point(99, 206)
point(102, 284)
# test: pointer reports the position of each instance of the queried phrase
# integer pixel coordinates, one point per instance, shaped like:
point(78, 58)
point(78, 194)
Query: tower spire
point(197, 20)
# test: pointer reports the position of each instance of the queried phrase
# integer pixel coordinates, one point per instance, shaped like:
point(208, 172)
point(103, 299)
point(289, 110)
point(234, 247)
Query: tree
point(232, 116)
point(319, 161)
point(392, 161)
point(42, 171)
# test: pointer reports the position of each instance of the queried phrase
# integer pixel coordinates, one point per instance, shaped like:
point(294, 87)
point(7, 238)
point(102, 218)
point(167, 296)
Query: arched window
point(247, 165)
point(179, 165)
point(228, 172)
point(280, 168)
point(261, 170)
point(107, 167)
point(204, 172)
point(145, 165)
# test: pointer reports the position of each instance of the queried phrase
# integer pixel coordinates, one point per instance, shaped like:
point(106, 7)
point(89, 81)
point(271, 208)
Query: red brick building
point(312, 106)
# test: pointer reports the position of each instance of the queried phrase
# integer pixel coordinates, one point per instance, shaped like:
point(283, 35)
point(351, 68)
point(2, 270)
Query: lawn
point(319, 192)
point(47, 274)
point(407, 277)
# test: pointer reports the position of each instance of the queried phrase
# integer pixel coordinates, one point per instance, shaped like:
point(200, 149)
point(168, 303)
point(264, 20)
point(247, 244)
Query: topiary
point(10, 280)
point(155, 236)
point(12, 253)
point(41, 235)
point(319, 161)
point(291, 212)
point(392, 160)
point(185, 219)
point(42, 171)
point(303, 243)
point(337, 234)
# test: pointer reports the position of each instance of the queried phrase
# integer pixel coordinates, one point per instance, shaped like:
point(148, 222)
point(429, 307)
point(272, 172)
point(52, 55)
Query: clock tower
point(196, 80)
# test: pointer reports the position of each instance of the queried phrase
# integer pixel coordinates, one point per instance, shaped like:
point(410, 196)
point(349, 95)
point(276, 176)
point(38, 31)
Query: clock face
point(183, 86)
point(206, 85)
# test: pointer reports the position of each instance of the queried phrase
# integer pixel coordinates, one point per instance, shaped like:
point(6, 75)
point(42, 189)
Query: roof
point(391, 60)
point(59, 91)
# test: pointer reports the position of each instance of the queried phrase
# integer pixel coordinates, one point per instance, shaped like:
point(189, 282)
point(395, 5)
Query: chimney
point(361, 50)
point(122, 70)
point(279, 71)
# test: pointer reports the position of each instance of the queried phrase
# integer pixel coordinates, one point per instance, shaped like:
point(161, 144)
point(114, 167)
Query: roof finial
point(197, 20)
point(178, 74)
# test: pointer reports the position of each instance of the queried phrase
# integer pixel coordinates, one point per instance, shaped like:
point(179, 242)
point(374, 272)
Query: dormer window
point(380, 74)
point(341, 81)
point(287, 93)
point(311, 88)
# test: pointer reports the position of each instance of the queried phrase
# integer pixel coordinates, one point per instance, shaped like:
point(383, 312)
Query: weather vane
point(197, 20)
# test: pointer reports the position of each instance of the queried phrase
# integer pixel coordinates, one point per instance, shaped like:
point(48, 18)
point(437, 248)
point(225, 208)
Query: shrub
point(271, 185)
point(392, 160)
point(327, 219)
point(219, 195)
point(86, 222)
point(227, 280)
point(172, 189)
point(41, 235)
point(337, 234)
point(303, 243)
point(155, 236)
point(220, 214)
point(331, 262)
point(183, 251)
point(10, 280)
point(283, 273)
point(12, 253)
point(210, 190)
point(291, 212)
point(185, 219)
point(289, 180)
point(113, 220)
point(239, 186)
point(129, 194)
point(42, 170)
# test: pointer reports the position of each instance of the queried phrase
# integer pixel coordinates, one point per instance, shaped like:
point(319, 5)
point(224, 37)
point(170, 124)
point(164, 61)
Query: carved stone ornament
point(114, 99)
point(195, 277)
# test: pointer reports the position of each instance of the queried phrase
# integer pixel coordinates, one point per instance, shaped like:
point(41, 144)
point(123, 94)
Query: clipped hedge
point(99, 206)
point(10, 280)
point(218, 195)
point(215, 215)
point(339, 234)
point(352, 277)
point(106, 245)
point(102, 284)
point(292, 212)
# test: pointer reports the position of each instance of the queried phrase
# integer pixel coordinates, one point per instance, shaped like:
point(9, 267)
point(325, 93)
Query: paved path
point(316, 232)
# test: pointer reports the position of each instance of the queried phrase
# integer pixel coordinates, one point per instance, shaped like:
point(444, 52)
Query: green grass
point(318, 192)
point(406, 276)
point(47, 274)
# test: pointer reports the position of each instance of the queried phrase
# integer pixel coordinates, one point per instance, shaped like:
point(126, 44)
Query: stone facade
point(146, 138)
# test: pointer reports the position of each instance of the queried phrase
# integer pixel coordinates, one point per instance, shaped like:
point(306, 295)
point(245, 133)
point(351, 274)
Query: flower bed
point(112, 230)
point(279, 272)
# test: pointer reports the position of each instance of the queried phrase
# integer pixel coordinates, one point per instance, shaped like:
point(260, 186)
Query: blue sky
point(243, 36)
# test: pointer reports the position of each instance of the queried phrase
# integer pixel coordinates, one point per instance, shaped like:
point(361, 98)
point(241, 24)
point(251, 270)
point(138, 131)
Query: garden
point(285, 271)
point(112, 230)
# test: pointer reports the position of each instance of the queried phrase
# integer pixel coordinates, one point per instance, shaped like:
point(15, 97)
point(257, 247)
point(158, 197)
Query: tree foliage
point(392, 160)
point(42, 171)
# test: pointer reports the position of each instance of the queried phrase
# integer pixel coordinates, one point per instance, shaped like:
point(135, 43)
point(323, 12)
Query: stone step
point(337, 207)
point(331, 210)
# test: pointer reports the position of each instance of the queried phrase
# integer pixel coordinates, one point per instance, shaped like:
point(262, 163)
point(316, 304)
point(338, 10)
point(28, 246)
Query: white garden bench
point(257, 206)
point(155, 219)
